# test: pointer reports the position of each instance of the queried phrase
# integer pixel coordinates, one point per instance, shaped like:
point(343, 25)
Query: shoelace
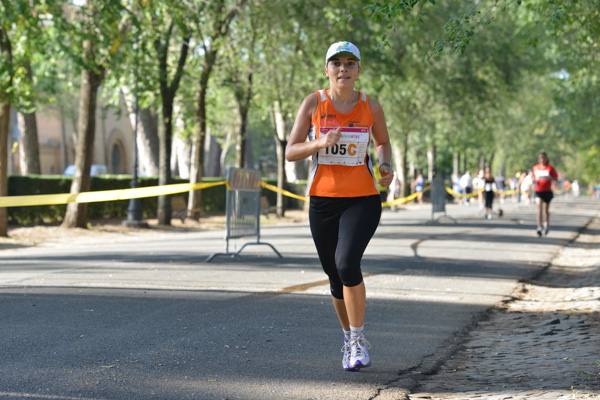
point(360, 342)
point(346, 347)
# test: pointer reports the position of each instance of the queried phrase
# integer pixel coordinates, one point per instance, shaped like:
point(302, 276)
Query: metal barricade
point(438, 199)
point(242, 209)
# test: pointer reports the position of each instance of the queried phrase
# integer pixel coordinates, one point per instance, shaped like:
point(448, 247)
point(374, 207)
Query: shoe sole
point(360, 365)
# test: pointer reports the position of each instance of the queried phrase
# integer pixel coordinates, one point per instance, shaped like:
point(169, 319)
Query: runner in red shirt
point(543, 175)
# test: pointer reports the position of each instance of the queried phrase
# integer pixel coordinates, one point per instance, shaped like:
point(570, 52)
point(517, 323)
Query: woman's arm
point(298, 148)
point(381, 139)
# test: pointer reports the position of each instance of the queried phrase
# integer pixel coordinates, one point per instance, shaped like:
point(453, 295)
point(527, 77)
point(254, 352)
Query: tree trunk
point(213, 155)
point(105, 144)
point(411, 174)
point(76, 215)
point(11, 141)
point(195, 196)
point(431, 161)
point(147, 141)
point(456, 164)
point(240, 143)
point(180, 157)
point(4, 122)
point(400, 153)
point(249, 151)
point(167, 94)
point(29, 152)
point(63, 143)
point(164, 158)
point(216, 162)
point(281, 143)
point(6, 50)
point(465, 164)
point(147, 135)
point(491, 160)
point(243, 99)
point(455, 168)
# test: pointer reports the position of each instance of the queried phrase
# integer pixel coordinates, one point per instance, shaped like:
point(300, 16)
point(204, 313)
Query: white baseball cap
point(342, 47)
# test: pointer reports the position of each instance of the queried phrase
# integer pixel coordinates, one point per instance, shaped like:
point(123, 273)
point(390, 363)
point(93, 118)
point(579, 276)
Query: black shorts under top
point(545, 196)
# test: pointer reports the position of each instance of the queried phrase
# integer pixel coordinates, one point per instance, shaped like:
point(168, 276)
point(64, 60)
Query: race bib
point(542, 173)
point(350, 150)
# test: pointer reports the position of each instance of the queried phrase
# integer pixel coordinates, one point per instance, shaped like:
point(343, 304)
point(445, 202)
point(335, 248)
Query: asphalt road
point(144, 317)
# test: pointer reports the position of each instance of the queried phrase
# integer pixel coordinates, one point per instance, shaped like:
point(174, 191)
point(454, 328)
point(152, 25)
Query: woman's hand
point(331, 138)
point(387, 175)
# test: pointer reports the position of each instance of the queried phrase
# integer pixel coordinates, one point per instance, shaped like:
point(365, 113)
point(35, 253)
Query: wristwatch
point(386, 165)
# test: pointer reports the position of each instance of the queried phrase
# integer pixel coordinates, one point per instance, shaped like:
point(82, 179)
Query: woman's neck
point(342, 96)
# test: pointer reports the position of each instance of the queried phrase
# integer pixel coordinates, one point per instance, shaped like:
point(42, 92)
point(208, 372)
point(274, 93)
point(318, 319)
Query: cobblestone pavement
point(542, 344)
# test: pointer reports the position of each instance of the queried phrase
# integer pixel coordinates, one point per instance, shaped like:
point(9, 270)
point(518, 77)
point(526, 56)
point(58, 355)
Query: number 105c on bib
point(350, 150)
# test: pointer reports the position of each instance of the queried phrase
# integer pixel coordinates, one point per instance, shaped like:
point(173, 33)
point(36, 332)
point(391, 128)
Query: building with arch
point(57, 135)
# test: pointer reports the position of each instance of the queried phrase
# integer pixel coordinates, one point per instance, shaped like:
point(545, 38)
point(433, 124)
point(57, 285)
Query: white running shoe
point(359, 354)
point(346, 359)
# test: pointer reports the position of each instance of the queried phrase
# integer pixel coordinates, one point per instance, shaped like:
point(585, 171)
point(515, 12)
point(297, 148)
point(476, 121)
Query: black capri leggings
point(342, 228)
point(489, 198)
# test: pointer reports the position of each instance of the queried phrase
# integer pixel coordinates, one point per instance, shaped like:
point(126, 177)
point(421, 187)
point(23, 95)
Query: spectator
point(478, 187)
point(466, 186)
point(525, 187)
point(419, 185)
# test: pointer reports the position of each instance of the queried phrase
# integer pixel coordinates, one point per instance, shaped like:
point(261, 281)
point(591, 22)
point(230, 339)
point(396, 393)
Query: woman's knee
point(349, 270)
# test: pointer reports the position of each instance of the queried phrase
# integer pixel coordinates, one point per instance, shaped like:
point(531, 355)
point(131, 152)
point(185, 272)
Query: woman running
point(489, 186)
point(543, 174)
point(345, 204)
point(419, 185)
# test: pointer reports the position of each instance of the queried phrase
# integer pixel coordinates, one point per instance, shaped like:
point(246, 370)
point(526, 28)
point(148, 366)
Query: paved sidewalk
point(544, 344)
point(138, 315)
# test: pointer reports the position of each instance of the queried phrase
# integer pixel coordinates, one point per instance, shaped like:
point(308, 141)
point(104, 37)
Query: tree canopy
point(495, 81)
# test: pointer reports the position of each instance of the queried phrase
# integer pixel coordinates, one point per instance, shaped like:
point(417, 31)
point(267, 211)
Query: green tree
point(91, 35)
point(169, 35)
point(18, 32)
point(212, 22)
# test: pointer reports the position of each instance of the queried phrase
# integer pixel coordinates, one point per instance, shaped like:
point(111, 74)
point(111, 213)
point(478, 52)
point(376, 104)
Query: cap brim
point(342, 52)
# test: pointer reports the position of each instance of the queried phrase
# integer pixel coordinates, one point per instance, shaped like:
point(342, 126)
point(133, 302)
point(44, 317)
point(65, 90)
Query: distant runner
point(543, 175)
point(345, 204)
point(489, 187)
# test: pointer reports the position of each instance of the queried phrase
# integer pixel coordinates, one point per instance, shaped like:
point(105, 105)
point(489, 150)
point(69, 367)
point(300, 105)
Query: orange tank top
point(344, 170)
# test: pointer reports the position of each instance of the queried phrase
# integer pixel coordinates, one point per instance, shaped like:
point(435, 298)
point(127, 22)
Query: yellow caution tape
point(103, 195)
point(384, 204)
point(403, 200)
point(456, 194)
point(126, 194)
point(285, 192)
point(399, 201)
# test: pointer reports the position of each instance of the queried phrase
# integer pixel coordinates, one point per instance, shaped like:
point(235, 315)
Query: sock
point(347, 335)
point(357, 331)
